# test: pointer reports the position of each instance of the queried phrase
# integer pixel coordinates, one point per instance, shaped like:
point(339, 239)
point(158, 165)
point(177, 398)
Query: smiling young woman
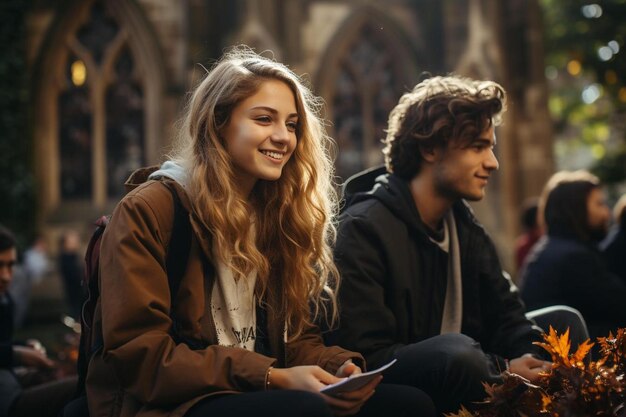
point(253, 171)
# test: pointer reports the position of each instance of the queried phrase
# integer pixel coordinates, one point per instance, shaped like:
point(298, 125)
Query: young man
point(566, 267)
point(421, 280)
point(42, 400)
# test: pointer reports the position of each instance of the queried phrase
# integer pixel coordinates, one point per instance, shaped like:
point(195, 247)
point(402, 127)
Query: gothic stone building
point(110, 77)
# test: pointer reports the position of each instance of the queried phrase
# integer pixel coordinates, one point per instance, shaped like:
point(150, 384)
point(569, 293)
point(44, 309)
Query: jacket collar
point(395, 194)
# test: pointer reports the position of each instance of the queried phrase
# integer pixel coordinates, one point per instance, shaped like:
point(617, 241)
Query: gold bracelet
point(267, 378)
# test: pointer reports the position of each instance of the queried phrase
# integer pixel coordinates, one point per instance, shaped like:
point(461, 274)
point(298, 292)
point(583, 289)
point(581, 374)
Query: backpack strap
point(89, 341)
point(177, 258)
point(179, 246)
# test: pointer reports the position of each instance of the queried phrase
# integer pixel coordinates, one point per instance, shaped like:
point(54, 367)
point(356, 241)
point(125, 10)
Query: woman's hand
point(348, 368)
point(349, 403)
point(305, 378)
point(314, 378)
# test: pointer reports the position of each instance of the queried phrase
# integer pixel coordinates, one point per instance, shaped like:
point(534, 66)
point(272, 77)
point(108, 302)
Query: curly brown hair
point(437, 111)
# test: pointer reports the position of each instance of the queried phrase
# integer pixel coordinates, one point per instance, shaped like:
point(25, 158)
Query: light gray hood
point(171, 169)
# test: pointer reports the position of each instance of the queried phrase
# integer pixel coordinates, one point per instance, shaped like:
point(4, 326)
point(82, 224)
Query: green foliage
point(17, 209)
point(585, 42)
point(612, 168)
point(571, 35)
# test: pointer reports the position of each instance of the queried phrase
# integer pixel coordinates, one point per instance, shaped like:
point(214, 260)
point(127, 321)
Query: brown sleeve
point(309, 349)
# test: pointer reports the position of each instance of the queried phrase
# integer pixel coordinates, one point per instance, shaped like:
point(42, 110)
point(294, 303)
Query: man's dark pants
point(452, 367)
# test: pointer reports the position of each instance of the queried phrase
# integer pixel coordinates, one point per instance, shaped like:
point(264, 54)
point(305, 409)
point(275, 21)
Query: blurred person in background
point(15, 398)
point(531, 232)
point(566, 266)
point(614, 246)
point(26, 276)
point(71, 269)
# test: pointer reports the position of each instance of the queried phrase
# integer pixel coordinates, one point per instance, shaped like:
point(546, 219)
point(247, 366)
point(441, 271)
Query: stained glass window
point(366, 90)
point(101, 111)
point(98, 33)
point(124, 138)
point(75, 133)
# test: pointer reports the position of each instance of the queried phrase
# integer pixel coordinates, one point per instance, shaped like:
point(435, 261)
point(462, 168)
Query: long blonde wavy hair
point(290, 247)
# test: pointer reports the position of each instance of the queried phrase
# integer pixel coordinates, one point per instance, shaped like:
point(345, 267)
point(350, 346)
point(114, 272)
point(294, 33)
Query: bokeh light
point(79, 73)
point(591, 11)
point(551, 73)
point(591, 93)
point(574, 67)
point(605, 53)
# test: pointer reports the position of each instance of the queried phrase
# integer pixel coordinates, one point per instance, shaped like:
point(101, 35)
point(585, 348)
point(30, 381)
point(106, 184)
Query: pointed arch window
point(367, 86)
point(75, 144)
point(101, 111)
point(124, 131)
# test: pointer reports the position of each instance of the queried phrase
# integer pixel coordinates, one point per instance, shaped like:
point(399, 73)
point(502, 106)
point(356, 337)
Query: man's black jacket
point(394, 280)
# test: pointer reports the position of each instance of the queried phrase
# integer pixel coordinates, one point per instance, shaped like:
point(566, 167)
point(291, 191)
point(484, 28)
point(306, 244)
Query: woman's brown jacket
point(141, 371)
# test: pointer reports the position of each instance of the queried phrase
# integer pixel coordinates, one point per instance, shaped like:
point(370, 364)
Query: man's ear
point(429, 153)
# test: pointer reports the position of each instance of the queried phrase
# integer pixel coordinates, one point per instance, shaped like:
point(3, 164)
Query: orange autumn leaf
point(545, 401)
point(557, 346)
point(582, 351)
point(463, 412)
point(613, 348)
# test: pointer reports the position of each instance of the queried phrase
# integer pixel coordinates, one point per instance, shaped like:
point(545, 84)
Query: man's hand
point(528, 366)
point(31, 357)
